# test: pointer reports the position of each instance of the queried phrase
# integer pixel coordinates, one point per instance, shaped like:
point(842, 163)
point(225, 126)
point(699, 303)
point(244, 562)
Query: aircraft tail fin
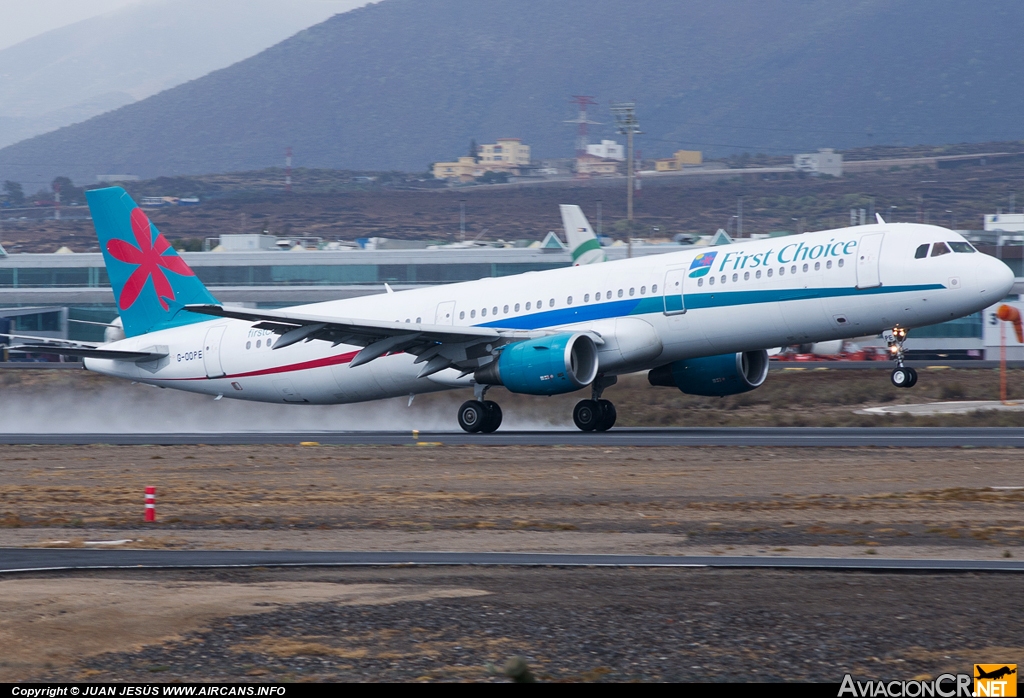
point(151, 282)
point(583, 244)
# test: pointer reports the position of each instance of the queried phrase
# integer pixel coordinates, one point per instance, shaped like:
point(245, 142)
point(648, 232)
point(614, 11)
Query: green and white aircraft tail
point(582, 242)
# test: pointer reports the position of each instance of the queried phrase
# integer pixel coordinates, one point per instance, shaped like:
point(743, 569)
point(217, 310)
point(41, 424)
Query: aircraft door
point(868, 257)
point(675, 303)
point(211, 351)
point(445, 313)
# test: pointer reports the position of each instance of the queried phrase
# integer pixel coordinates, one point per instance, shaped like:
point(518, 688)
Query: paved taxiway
point(65, 559)
point(841, 437)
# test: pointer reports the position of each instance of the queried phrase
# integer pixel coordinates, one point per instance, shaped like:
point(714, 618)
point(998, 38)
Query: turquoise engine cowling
point(725, 374)
point(551, 365)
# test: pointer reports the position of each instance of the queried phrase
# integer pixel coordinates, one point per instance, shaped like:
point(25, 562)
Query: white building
point(1005, 222)
point(824, 162)
point(607, 150)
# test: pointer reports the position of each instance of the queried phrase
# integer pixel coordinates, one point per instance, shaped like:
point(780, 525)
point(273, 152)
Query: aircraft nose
point(995, 278)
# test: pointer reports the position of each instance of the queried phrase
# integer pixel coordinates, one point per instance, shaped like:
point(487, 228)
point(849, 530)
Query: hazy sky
point(23, 19)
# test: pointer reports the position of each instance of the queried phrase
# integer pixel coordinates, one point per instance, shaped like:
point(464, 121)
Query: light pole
point(625, 119)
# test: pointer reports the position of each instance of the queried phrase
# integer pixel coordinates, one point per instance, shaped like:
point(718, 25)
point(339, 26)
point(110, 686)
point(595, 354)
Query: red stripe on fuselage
point(315, 363)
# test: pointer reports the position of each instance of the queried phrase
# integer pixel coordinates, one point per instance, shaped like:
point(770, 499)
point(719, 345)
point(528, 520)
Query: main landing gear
point(901, 376)
point(484, 416)
point(596, 414)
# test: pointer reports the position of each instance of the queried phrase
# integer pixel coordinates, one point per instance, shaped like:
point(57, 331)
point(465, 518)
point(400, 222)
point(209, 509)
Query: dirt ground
point(409, 624)
point(963, 503)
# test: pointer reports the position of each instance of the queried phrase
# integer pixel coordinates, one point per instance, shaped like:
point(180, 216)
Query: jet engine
point(725, 374)
point(551, 365)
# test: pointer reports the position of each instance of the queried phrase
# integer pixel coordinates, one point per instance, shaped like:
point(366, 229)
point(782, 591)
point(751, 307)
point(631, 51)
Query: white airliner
point(699, 320)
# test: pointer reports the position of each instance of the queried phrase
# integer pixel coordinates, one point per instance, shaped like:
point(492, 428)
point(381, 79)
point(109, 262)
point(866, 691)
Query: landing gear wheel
point(587, 415)
point(913, 377)
point(493, 419)
point(472, 416)
point(901, 377)
point(608, 415)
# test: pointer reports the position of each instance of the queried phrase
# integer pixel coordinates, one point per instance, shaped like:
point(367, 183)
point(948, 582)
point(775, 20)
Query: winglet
point(388, 288)
point(878, 217)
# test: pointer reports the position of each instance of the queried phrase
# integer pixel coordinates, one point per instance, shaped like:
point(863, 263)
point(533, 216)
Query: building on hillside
point(507, 155)
point(824, 162)
point(593, 165)
point(679, 160)
point(463, 170)
point(607, 150)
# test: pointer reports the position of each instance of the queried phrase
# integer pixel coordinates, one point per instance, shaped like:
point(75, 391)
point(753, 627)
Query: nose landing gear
point(901, 376)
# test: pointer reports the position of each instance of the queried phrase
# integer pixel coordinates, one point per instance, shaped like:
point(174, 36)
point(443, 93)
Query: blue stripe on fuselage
point(693, 301)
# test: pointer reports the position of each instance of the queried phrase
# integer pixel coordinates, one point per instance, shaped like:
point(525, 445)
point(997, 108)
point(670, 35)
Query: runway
point(68, 559)
point(912, 437)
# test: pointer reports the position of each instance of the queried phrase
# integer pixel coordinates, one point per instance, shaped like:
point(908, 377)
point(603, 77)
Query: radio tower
point(582, 101)
point(288, 169)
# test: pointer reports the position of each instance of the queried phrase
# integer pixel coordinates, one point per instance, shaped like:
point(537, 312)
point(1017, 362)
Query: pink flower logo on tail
point(150, 260)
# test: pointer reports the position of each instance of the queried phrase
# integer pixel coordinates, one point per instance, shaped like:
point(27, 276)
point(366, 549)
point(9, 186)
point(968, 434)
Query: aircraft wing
point(438, 346)
point(66, 347)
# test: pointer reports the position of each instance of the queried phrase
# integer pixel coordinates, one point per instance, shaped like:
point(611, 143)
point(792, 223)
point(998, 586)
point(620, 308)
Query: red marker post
point(150, 504)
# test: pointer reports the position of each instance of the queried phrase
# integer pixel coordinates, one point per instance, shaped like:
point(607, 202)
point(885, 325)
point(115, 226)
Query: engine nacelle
point(725, 374)
point(551, 365)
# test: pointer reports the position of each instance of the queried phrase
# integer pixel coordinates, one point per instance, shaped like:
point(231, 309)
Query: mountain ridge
point(402, 83)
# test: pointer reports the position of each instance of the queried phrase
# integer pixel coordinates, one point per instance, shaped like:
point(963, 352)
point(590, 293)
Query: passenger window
point(505, 310)
point(723, 278)
point(257, 344)
point(568, 301)
point(632, 291)
point(735, 277)
point(551, 303)
point(654, 288)
point(494, 310)
point(841, 262)
point(792, 269)
point(527, 305)
point(472, 313)
point(643, 290)
point(597, 296)
point(711, 281)
point(746, 276)
point(769, 273)
point(700, 282)
point(419, 320)
point(922, 251)
point(757, 274)
point(620, 293)
point(782, 271)
point(939, 249)
point(407, 321)
point(270, 342)
point(805, 268)
point(586, 297)
point(248, 345)
point(608, 295)
point(828, 264)
point(540, 304)
point(817, 266)
point(483, 312)
point(517, 307)
point(462, 314)
point(962, 247)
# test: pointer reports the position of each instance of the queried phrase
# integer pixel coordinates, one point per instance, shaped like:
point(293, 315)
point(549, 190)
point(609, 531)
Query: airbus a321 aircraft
point(699, 320)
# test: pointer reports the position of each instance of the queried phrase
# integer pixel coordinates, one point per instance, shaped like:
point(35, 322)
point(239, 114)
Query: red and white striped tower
point(150, 503)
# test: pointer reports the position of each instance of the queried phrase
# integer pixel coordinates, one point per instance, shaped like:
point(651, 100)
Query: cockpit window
point(922, 252)
point(962, 247)
point(939, 249)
